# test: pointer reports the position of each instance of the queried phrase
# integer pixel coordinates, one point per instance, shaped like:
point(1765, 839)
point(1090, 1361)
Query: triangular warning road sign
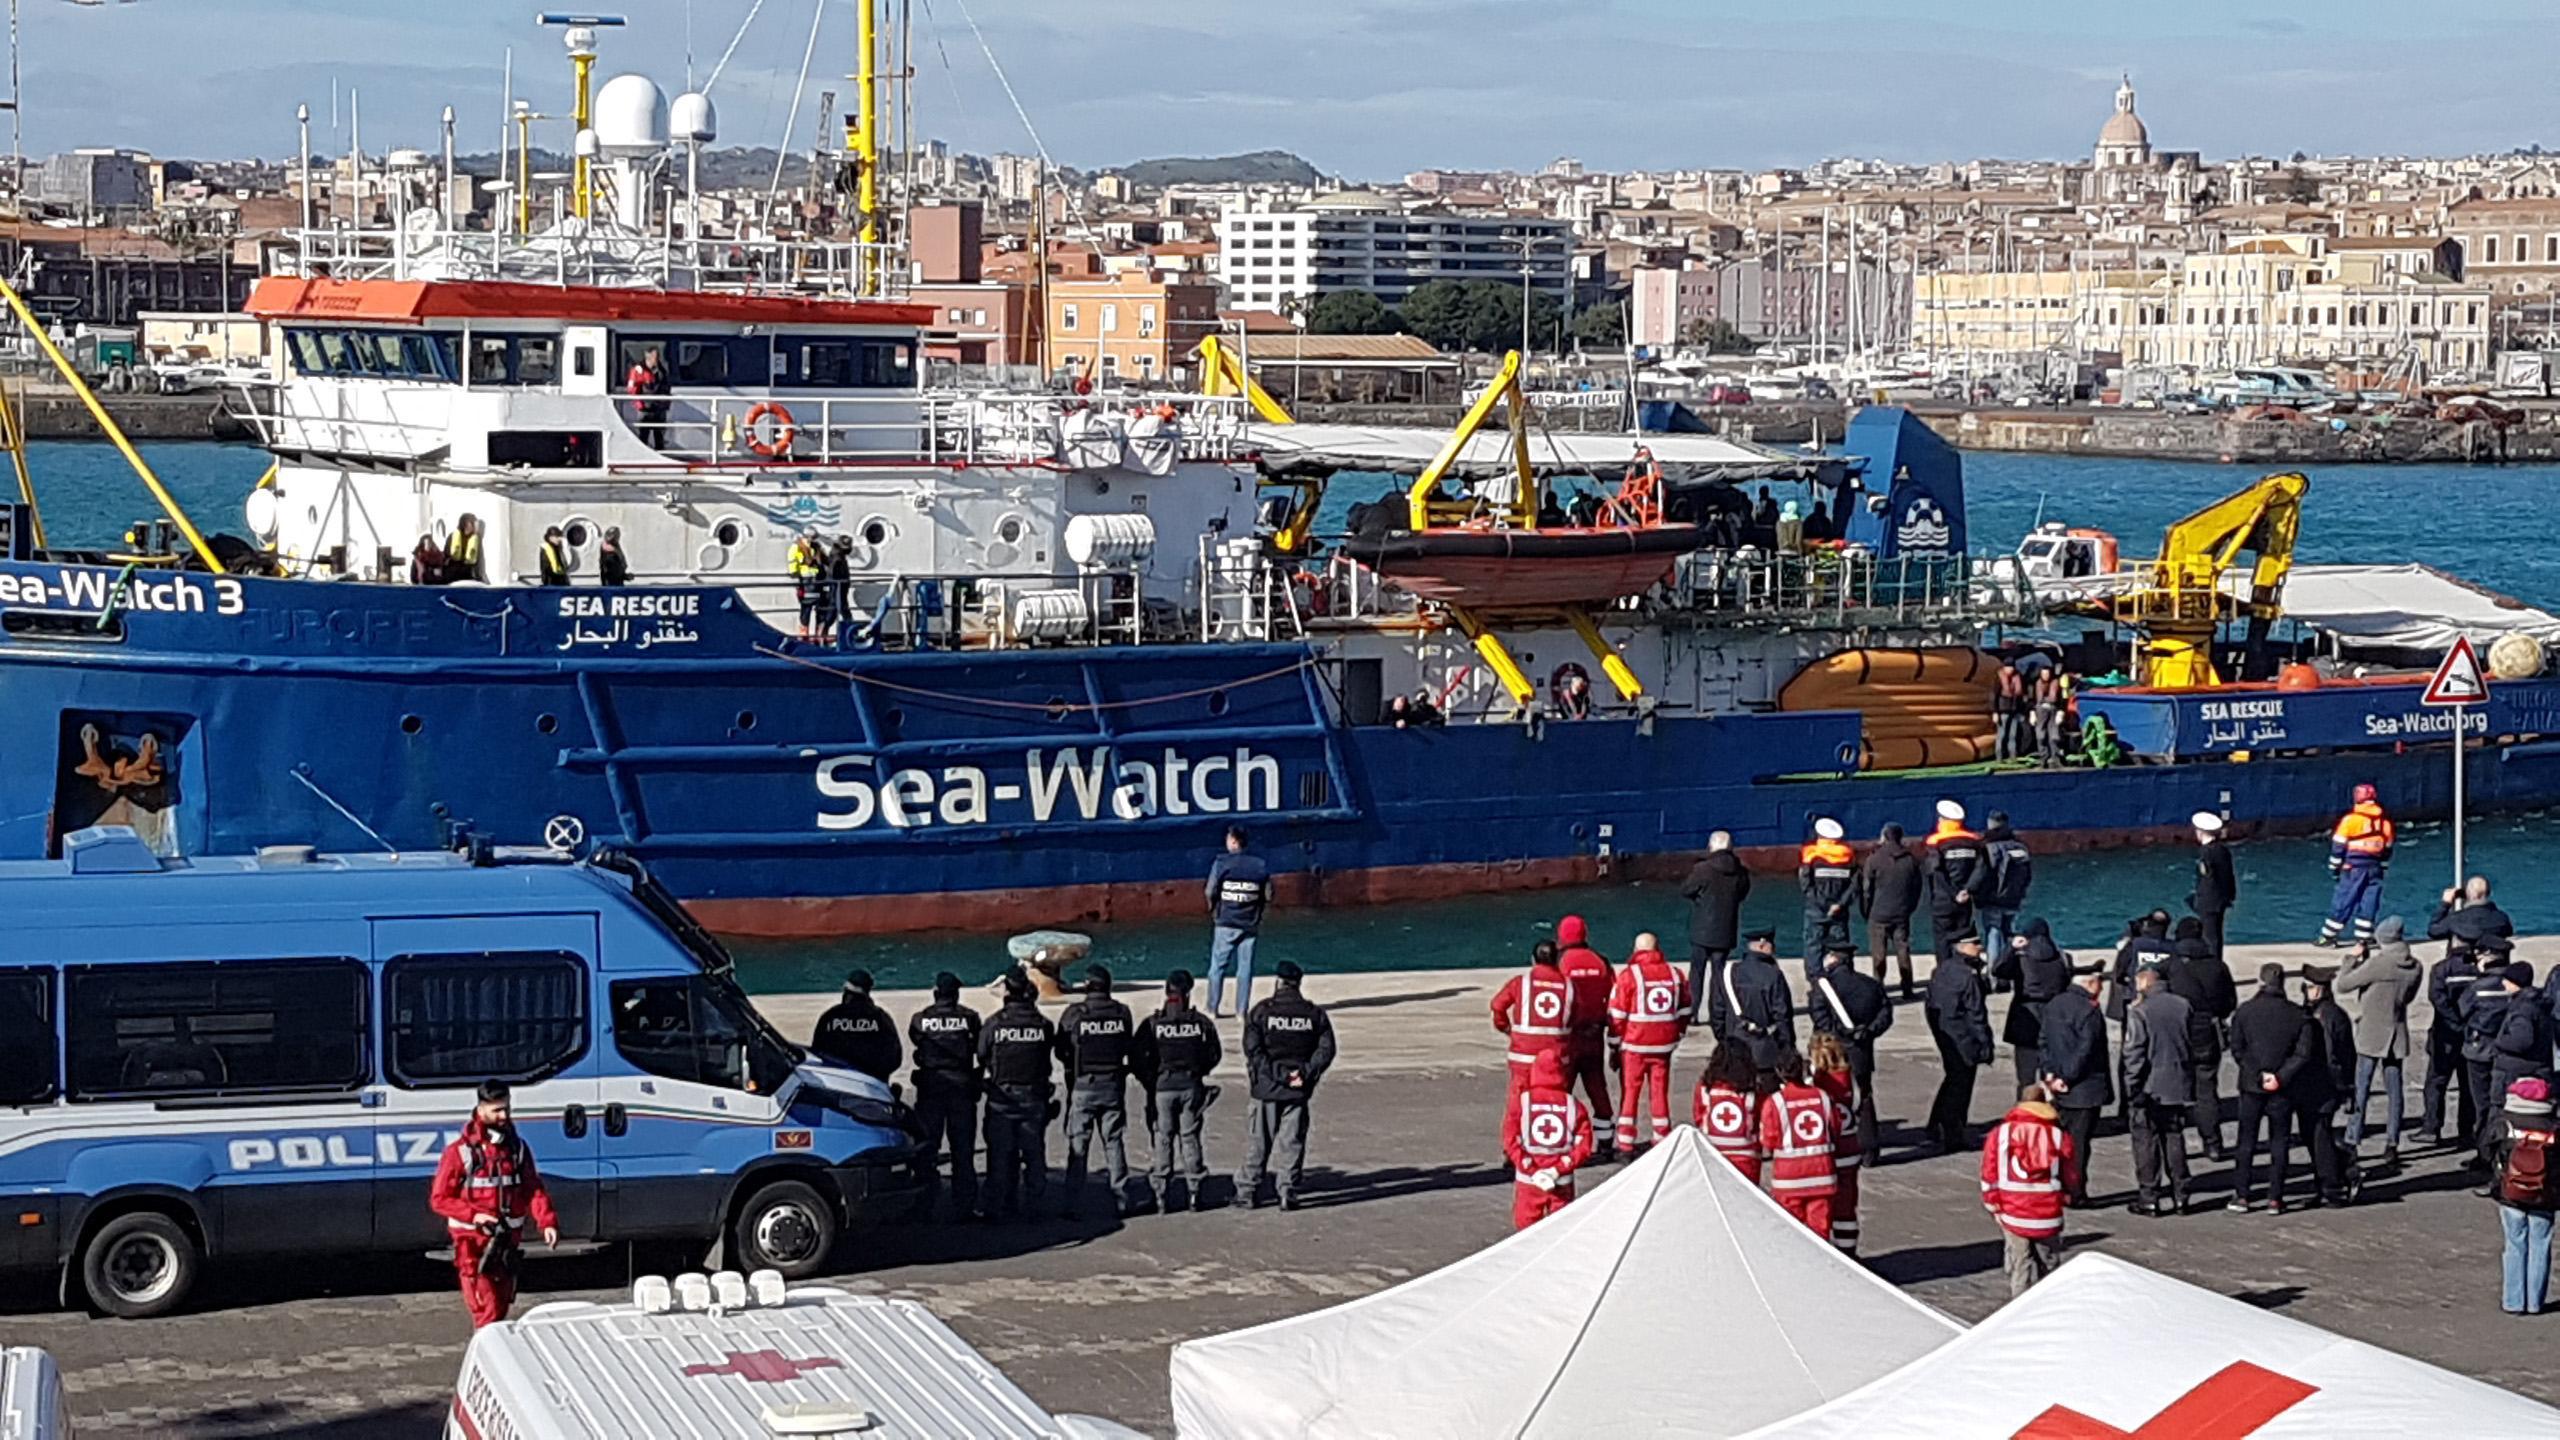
point(2458, 680)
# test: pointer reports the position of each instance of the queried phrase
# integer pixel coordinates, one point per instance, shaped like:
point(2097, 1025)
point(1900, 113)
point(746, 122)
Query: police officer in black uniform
point(1093, 1048)
point(1174, 1051)
point(1845, 1003)
point(944, 1036)
point(1752, 1006)
point(857, 1033)
point(1013, 1056)
point(1288, 1045)
point(2482, 1007)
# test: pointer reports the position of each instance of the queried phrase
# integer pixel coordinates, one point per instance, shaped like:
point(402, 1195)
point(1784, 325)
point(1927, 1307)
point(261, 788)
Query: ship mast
point(862, 140)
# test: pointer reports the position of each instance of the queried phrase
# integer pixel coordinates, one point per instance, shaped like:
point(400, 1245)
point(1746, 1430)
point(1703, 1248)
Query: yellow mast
point(862, 130)
point(580, 36)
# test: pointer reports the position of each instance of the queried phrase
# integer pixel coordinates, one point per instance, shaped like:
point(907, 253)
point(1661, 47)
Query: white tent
point(1673, 1299)
point(2102, 1347)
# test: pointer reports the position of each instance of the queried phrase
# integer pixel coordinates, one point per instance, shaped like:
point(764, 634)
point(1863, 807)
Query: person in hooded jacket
point(1960, 1024)
point(1648, 1012)
point(2040, 971)
point(2028, 1167)
point(2072, 1065)
point(944, 1035)
point(1715, 889)
point(1890, 884)
point(2013, 870)
point(2325, 1083)
point(2376, 987)
point(1546, 1133)
point(2272, 1041)
point(2482, 1009)
point(1846, 1004)
point(1588, 975)
point(2198, 976)
point(2447, 980)
point(857, 1034)
point(2159, 1078)
point(2524, 1037)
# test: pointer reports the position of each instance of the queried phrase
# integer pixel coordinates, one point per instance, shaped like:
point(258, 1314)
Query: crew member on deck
point(555, 557)
point(462, 560)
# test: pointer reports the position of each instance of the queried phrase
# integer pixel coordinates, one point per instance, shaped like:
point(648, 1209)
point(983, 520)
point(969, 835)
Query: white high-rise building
point(1273, 259)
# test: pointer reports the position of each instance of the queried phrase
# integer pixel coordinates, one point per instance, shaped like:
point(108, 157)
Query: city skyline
point(1517, 84)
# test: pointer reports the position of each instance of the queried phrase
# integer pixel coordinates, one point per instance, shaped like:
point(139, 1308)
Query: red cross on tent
point(2235, 1402)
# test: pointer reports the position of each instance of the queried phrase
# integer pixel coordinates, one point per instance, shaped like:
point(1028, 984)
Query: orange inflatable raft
point(1920, 707)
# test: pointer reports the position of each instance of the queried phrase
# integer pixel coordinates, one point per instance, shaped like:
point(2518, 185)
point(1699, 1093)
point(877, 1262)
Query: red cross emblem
point(1546, 1004)
point(1725, 1116)
point(1654, 999)
point(1807, 1125)
point(1546, 1130)
point(2238, 1399)
point(765, 1367)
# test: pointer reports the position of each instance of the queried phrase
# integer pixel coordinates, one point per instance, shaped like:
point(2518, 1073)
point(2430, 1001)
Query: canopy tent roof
point(1589, 1323)
point(2103, 1347)
point(1407, 450)
point(2406, 607)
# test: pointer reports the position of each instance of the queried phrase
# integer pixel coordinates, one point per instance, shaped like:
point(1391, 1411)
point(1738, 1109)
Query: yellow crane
point(2181, 603)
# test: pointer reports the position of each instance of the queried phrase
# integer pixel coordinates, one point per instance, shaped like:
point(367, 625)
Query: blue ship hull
point(784, 790)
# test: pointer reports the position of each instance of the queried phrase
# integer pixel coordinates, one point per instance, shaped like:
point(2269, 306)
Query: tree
point(1602, 327)
point(1438, 313)
point(1351, 312)
point(1719, 337)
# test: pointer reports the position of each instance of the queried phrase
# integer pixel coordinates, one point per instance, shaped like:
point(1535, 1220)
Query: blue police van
point(246, 1057)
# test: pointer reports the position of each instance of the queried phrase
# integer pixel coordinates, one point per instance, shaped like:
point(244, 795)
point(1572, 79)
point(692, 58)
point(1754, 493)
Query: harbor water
point(2486, 525)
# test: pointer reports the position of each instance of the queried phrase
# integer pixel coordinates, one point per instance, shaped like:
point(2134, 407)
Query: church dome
point(2124, 128)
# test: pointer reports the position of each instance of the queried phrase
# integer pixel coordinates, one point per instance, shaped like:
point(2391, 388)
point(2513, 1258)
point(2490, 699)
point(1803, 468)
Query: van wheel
point(786, 1226)
point(139, 1265)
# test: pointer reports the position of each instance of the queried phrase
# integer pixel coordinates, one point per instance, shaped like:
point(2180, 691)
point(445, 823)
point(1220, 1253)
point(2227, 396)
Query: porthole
point(411, 724)
point(1009, 530)
point(729, 533)
point(876, 531)
point(1217, 702)
point(578, 533)
point(746, 719)
point(547, 724)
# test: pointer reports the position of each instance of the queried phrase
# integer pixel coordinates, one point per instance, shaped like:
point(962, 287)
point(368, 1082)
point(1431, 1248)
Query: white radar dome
point(694, 119)
point(631, 116)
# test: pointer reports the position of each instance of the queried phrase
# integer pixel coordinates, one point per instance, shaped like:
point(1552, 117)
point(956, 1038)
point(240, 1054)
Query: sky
point(1369, 89)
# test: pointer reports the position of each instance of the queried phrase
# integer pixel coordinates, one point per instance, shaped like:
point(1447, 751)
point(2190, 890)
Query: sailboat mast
point(862, 137)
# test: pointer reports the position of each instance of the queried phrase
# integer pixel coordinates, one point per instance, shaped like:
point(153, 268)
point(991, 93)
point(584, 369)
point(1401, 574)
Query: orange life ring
point(777, 446)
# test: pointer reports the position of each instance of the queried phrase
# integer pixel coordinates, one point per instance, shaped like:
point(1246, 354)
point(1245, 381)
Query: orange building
point(1129, 327)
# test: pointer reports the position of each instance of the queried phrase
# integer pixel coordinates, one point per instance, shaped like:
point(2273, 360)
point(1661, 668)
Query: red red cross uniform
point(2028, 1165)
point(481, 1175)
point(1847, 1156)
point(1648, 1010)
point(1535, 1009)
point(1732, 1127)
point(1797, 1131)
point(1547, 1134)
point(1590, 975)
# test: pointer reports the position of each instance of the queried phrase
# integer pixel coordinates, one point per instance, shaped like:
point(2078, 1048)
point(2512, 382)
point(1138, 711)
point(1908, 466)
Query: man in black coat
point(2524, 1037)
point(2197, 975)
point(945, 1037)
point(1845, 1003)
point(1752, 1007)
point(2039, 971)
point(1715, 890)
point(2217, 880)
point(2469, 916)
point(1959, 1018)
point(2144, 936)
point(2323, 1088)
point(2447, 981)
point(2482, 1009)
point(2272, 1043)
point(2072, 1063)
point(1889, 885)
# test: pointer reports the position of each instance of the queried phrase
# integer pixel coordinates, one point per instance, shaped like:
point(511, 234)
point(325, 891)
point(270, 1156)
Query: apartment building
point(1280, 259)
point(1129, 326)
point(2511, 246)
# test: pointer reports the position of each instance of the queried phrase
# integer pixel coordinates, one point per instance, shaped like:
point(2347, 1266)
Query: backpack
point(2526, 1182)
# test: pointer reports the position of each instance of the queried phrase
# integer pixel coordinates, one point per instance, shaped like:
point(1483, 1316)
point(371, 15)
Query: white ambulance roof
point(30, 1395)
point(889, 1367)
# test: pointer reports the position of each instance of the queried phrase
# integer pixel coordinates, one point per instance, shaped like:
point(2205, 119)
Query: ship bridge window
point(697, 359)
point(515, 359)
point(846, 364)
point(546, 449)
point(376, 354)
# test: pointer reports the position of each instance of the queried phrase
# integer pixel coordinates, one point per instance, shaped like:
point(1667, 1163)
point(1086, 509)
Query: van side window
point(232, 1028)
point(29, 1058)
point(697, 1028)
point(462, 1019)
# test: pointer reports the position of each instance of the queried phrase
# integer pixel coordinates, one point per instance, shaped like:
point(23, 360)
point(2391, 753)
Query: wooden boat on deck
point(1489, 567)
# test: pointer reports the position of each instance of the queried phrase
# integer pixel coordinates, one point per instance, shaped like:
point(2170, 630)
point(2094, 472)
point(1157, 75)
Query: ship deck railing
point(598, 255)
point(939, 428)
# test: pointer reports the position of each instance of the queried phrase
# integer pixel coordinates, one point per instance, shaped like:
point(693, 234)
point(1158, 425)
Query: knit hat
point(2188, 928)
point(857, 982)
point(2520, 974)
point(946, 986)
point(2529, 1096)
point(1018, 987)
point(1097, 980)
point(2390, 928)
point(1178, 983)
point(1289, 972)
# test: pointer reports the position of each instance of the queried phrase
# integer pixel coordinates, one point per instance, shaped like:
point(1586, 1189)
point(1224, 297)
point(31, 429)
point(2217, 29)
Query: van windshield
point(700, 1028)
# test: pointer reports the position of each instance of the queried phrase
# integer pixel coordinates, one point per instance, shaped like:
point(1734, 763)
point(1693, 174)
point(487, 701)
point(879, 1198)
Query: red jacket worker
point(486, 1188)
